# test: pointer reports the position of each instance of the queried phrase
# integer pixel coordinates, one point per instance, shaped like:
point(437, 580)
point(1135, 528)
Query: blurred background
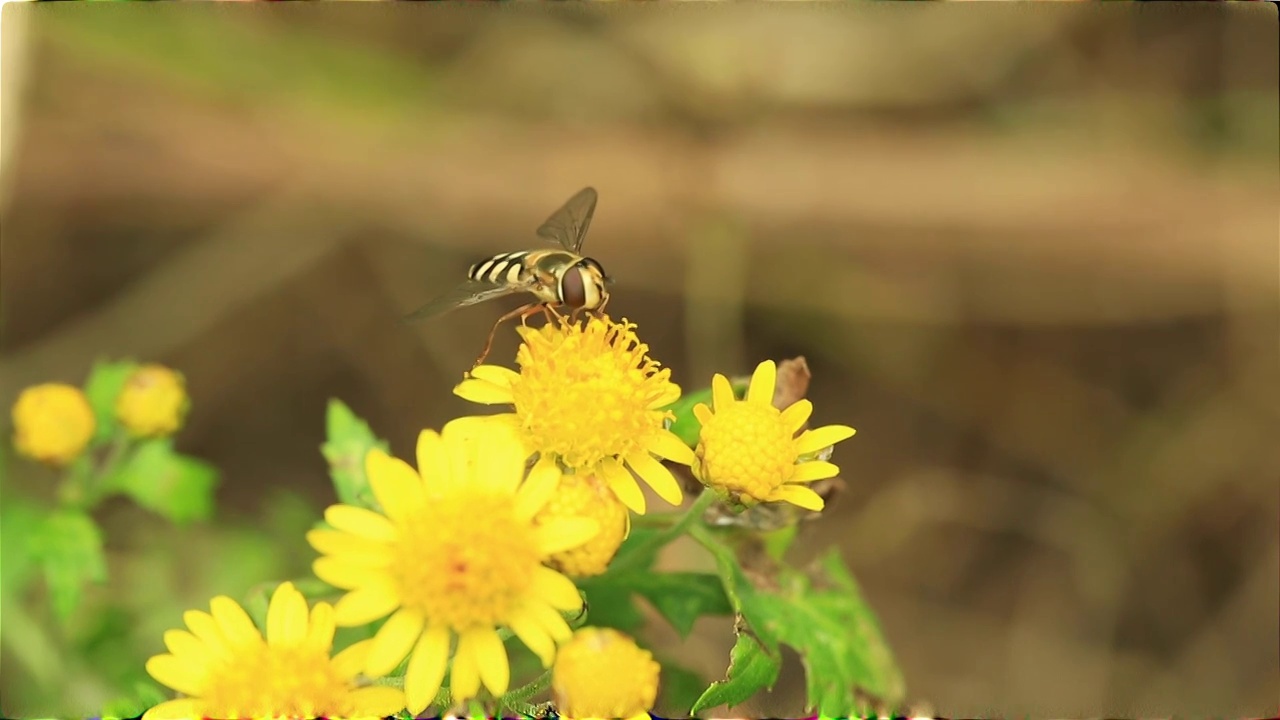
point(1029, 252)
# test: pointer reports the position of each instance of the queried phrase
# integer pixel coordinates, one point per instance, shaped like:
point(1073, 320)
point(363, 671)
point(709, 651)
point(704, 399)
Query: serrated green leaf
point(69, 548)
point(102, 388)
point(175, 486)
point(681, 597)
point(349, 440)
point(678, 686)
point(610, 606)
point(824, 618)
point(751, 669)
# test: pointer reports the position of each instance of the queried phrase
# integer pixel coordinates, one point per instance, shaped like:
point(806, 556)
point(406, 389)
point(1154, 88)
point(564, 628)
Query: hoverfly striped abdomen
point(501, 268)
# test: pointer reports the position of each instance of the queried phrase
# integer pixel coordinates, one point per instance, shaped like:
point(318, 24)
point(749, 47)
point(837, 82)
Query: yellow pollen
point(466, 575)
point(747, 448)
point(585, 390)
point(295, 682)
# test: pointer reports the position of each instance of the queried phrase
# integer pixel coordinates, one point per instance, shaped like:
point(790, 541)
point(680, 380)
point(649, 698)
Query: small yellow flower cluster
point(54, 422)
point(485, 532)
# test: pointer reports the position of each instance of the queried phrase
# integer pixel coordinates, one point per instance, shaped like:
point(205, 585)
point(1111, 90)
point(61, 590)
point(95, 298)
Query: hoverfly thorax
point(583, 285)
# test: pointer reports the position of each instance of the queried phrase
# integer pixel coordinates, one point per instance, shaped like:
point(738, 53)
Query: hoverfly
point(556, 278)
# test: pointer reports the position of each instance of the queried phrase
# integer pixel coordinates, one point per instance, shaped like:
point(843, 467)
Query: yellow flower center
point(153, 401)
point(52, 423)
point(297, 682)
point(587, 496)
point(462, 574)
point(747, 448)
point(585, 390)
point(631, 676)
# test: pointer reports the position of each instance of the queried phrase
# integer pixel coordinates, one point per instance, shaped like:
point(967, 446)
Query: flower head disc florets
point(749, 449)
point(455, 551)
point(631, 677)
point(227, 670)
point(589, 396)
point(53, 423)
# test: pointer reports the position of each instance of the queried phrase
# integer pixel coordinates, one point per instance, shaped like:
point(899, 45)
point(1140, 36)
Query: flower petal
point(204, 627)
point(622, 484)
point(657, 476)
point(670, 393)
point(185, 646)
point(814, 470)
point(525, 625)
point(426, 668)
point(183, 709)
point(538, 488)
point(565, 534)
point(352, 548)
point(286, 616)
point(797, 495)
point(321, 628)
point(501, 459)
point(555, 589)
point(763, 382)
point(465, 682)
point(794, 417)
point(702, 413)
point(368, 603)
point(394, 641)
point(168, 670)
point(361, 522)
point(823, 437)
point(495, 374)
point(350, 662)
point(234, 622)
point(491, 659)
point(376, 701)
point(483, 392)
point(552, 622)
point(721, 393)
point(346, 574)
point(433, 461)
point(667, 444)
point(397, 487)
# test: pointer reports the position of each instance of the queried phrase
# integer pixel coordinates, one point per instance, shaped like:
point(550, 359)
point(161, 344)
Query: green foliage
point(678, 686)
point(103, 386)
point(69, 547)
point(349, 440)
point(751, 669)
point(170, 484)
point(823, 617)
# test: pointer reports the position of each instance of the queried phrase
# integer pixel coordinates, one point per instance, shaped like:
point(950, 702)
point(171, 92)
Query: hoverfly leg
point(523, 312)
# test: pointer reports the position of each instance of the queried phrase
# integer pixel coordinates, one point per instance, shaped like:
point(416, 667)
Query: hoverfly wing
point(468, 293)
point(568, 225)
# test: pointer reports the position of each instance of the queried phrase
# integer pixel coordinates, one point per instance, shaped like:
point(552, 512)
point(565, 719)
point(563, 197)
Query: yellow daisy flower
point(749, 449)
point(153, 402)
point(52, 423)
point(227, 670)
point(589, 396)
point(454, 552)
point(630, 684)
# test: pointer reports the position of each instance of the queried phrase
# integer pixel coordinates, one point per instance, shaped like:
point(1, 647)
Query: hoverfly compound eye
point(573, 290)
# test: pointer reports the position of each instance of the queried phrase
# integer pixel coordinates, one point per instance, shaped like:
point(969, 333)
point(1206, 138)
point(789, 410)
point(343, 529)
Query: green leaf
point(824, 618)
point(777, 542)
point(20, 522)
point(751, 669)
point(610, 606)
point(686, 425)
point(679, 687)
point(69, 546)
point(144, 696)
point(681, 597)
point(175, 486)
point(102, 387)
point(349, 440)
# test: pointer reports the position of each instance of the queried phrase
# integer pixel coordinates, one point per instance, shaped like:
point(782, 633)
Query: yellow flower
point(602, 673)
point(589, 396)
point(227, 670)
point(153, 402)
point(52, 423)
point(749, 449)
point(454, 551)
point(587, 496)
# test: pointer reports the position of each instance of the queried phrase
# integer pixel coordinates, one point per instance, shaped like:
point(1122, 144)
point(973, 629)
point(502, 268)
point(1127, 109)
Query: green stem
point(678, 528)
point(121, 444)
point(518, 699)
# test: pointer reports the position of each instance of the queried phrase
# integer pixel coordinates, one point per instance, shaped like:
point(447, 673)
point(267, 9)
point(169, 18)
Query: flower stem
point(518, 699)
point(658, 540)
